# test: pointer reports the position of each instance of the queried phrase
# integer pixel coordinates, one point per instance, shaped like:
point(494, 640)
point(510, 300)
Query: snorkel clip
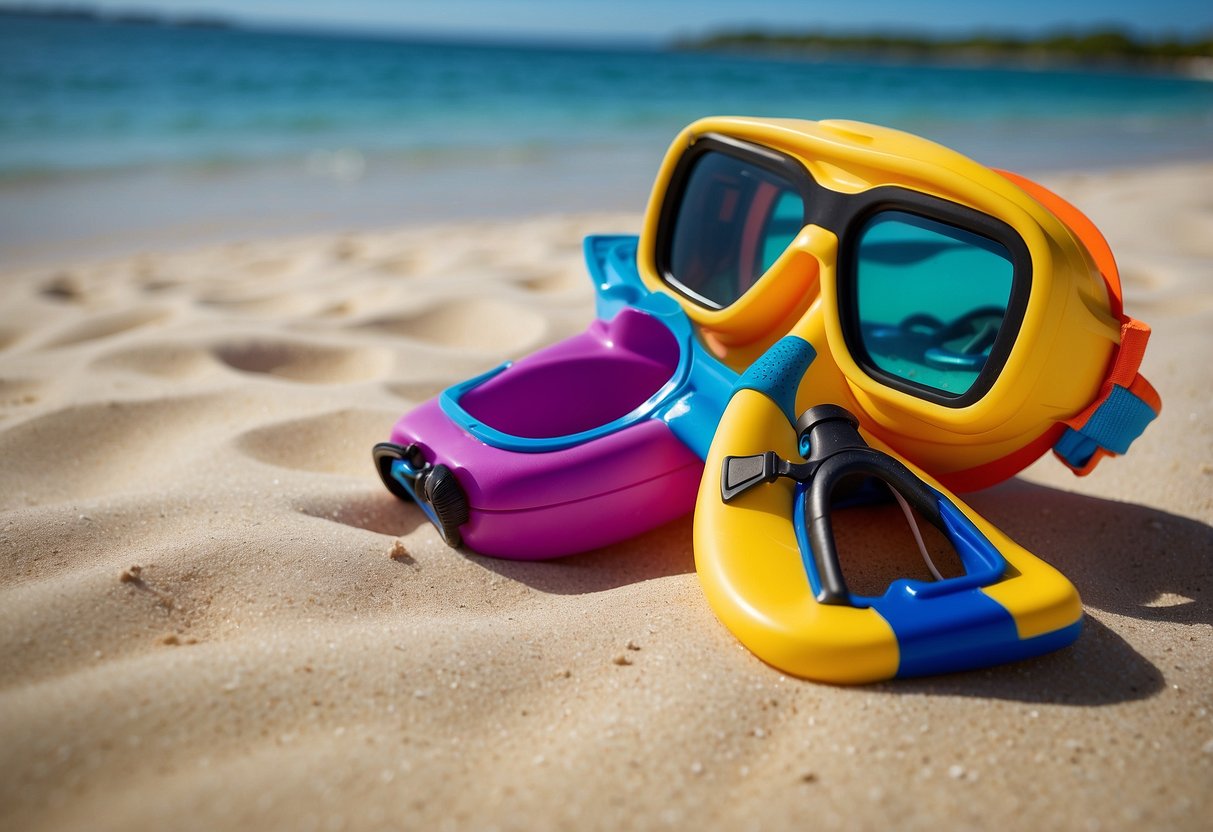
point(823, 431)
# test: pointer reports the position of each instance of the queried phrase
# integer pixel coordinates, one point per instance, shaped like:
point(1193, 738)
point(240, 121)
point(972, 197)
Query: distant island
point(1104, 47)
point(1108, 47)
point(89, 14)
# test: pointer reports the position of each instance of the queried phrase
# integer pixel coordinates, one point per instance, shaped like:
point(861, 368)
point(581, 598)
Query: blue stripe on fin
point(944, 634)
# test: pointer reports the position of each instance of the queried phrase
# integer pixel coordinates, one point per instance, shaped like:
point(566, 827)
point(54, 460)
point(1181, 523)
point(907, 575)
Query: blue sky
point(663, 19)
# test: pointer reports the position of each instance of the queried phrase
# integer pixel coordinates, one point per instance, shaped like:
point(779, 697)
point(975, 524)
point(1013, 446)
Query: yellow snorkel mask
point(970, 319)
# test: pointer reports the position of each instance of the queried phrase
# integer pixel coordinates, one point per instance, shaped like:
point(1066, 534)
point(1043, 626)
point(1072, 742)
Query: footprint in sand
point(277, 304)
point(168, 361)
point(332, 443)
point(93, 450)
point(484, 325)
point(108, 325)
point(311, 363)
point(64, 286)
point(359, 297)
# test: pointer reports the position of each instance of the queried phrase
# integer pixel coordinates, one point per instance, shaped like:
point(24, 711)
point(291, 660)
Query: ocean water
point(359, 128)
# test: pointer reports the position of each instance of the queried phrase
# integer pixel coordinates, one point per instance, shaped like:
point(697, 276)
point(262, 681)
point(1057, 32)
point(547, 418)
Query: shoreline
point(182, 207)
point(74, 218)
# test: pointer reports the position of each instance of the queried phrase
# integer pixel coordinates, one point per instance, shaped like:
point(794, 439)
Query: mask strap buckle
point(1126, 404)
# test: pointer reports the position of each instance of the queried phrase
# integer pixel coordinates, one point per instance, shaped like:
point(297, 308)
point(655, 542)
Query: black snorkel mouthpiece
point(836, 456)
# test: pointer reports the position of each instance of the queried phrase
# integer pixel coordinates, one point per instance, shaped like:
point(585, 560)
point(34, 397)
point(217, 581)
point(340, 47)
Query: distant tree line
point(1100, 45)
point(133, 17)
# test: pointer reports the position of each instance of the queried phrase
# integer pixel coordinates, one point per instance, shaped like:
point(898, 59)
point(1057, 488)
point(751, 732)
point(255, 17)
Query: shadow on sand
point(1125, 559)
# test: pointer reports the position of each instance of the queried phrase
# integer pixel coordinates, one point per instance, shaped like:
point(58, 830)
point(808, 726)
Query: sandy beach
point(214, 616)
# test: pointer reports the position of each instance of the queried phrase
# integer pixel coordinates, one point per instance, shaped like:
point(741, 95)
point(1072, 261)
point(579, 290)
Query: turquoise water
point(118, 137)
point(80, 96)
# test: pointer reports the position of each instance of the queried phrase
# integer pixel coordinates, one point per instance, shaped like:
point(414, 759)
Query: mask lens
point(734, 220)
point(931, 298)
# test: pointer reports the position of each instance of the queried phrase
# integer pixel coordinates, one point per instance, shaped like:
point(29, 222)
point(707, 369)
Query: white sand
point(207, 416)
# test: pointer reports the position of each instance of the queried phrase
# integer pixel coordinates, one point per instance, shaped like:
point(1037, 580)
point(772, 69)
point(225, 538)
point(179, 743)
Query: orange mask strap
point(1126, 402)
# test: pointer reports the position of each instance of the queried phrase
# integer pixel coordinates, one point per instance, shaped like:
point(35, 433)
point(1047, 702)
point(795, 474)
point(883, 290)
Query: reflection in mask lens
point(734, 220)
point(931, 299)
